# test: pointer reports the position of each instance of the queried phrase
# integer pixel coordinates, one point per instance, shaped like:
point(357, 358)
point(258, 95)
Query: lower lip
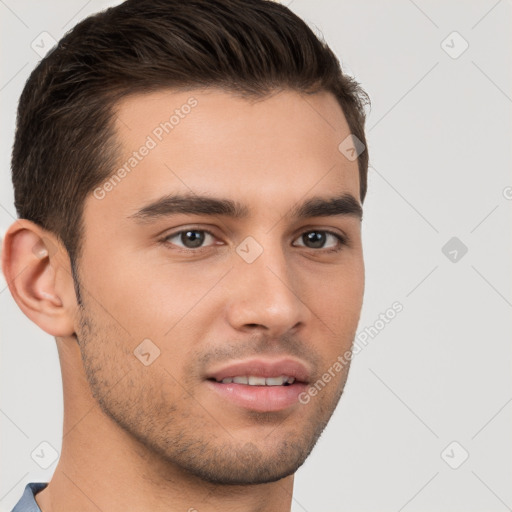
point(259, 398)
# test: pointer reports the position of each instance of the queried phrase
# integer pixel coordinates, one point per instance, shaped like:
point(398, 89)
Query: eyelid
point(165, 239)
point(342, 239)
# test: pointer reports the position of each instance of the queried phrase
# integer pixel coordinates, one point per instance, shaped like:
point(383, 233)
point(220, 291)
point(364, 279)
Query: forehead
point(266, 151)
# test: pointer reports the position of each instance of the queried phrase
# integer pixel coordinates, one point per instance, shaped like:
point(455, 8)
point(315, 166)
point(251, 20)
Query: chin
point(249, 463)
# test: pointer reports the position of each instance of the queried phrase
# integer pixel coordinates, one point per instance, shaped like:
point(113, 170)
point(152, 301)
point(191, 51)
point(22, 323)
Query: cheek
point(147, 293)
point(338, 293)
point(337, 304)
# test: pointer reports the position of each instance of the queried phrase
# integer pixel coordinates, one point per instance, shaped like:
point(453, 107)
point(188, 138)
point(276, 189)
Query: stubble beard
point(190, 442)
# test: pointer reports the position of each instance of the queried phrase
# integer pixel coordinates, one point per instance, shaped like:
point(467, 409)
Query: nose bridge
point(265, 291)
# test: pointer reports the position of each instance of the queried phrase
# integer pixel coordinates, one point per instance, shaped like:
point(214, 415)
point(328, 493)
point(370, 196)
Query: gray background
point(439, 140)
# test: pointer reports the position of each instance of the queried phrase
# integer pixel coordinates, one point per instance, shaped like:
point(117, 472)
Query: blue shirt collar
point(27, 501)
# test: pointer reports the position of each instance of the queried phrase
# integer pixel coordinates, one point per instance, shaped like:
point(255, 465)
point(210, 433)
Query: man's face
point(268, 293)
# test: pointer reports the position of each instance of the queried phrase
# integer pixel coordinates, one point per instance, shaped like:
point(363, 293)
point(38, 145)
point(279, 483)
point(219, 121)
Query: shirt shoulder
point(27, 502)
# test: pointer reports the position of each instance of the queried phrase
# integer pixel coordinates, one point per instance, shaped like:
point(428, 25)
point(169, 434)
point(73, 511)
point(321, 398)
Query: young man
point(189, 179)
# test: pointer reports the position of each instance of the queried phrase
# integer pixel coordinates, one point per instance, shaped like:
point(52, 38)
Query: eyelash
point(343, 241)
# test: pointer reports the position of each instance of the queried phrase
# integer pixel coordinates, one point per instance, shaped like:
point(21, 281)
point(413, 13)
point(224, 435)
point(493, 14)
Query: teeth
point(251, 380)
point(256, 381)
point(275, 381)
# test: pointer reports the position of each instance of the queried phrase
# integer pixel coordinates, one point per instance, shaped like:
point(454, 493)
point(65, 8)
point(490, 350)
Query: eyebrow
point(345, 204)
point(192, 204)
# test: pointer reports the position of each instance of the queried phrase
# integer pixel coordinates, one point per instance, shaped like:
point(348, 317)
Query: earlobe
point(31, 260)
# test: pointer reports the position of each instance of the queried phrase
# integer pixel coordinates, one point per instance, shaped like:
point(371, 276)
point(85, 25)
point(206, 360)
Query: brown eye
point(320, 240)
point(190, 238)
point(314, 239)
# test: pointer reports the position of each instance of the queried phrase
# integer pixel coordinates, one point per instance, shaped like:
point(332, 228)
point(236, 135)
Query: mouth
point(253, 380)
point(260, 385)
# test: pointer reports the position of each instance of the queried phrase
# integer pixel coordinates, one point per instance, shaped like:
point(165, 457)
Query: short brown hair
point(65, 141)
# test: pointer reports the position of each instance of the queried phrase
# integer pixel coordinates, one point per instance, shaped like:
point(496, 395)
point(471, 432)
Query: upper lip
point(262, 368)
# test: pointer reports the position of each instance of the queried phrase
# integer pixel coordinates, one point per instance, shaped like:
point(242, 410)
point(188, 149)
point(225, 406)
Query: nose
point(265, 295)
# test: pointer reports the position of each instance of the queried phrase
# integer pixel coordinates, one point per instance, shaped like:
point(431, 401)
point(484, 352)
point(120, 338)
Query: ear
point(37, 269)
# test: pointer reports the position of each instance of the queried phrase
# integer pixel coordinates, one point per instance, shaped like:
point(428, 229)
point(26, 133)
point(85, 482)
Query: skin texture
point(156, 437)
